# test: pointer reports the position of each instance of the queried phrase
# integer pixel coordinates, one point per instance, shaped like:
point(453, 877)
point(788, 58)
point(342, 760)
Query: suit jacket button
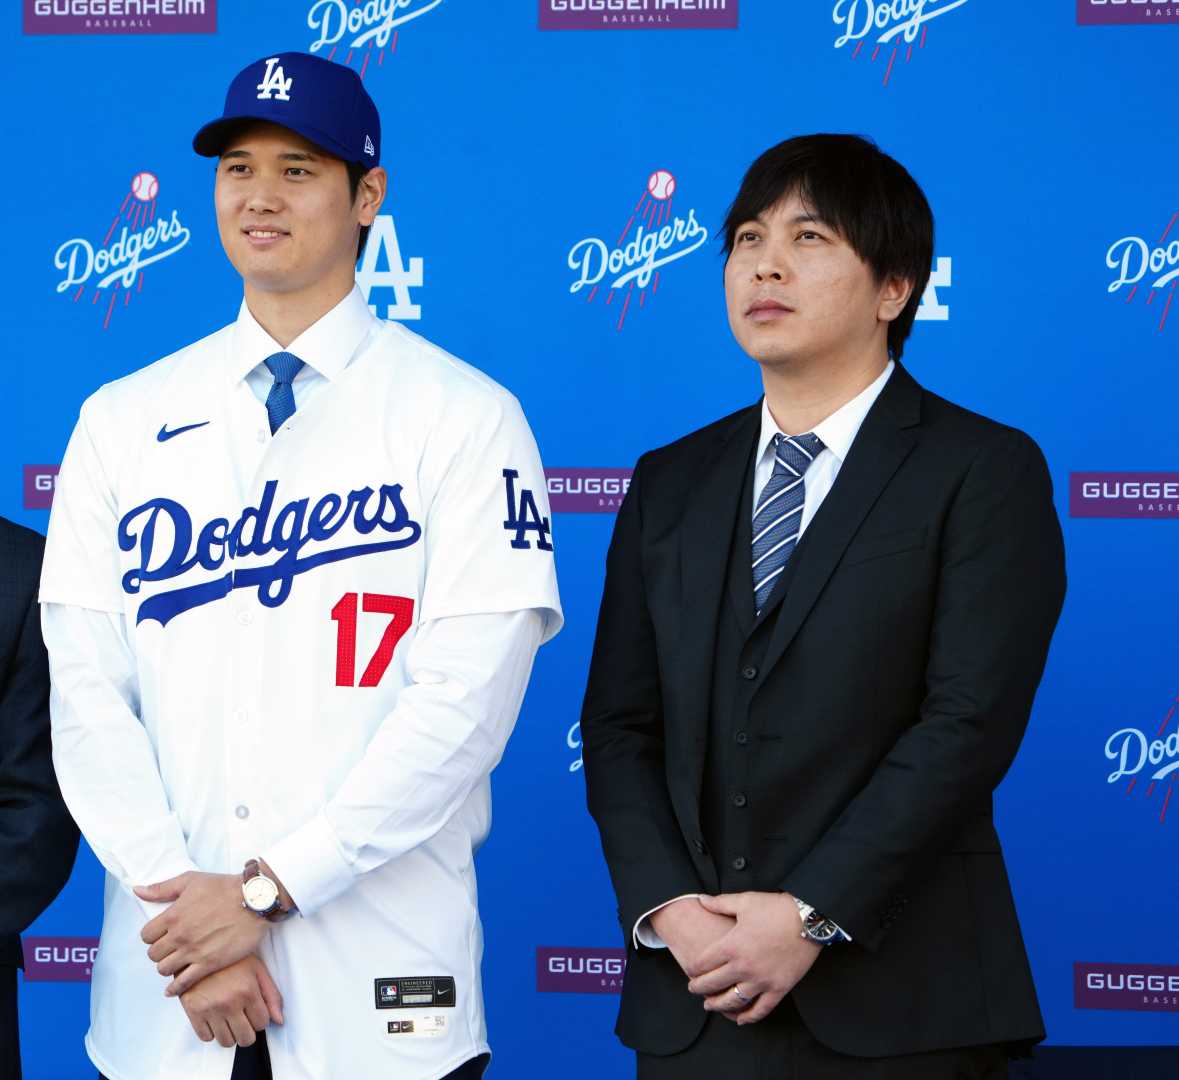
point(740, 862)
point(739, 799)
point(742, 737)
point(749, 673)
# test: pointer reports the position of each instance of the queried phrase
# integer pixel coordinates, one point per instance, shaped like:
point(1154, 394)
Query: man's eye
point(294, 170)
point(238, 169)
point(809, 235)
point(747, 235)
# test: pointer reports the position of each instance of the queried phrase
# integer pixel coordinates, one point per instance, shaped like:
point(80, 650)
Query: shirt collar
point(327, 345)
point(839, 430)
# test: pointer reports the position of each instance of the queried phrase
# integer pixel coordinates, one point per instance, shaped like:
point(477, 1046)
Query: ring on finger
point(737, 990)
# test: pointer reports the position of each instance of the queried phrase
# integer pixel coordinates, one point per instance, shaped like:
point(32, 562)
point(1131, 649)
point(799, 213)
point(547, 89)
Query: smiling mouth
point(264, 234)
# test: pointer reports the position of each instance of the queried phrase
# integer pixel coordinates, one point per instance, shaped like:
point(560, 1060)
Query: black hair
point(861, 192)
point(357, 172)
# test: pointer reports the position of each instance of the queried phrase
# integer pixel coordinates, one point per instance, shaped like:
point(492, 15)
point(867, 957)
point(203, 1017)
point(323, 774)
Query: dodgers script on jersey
point(278, 595)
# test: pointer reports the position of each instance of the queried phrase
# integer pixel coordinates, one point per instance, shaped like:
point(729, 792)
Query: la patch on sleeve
point(524, 516)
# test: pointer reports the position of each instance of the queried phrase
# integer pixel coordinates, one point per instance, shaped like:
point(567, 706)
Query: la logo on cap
point(274, 84)
point(368, 147)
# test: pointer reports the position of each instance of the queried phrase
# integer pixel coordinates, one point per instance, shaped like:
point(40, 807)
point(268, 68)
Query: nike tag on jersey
point(429, 1026)
point(415, 992)
point(165, 434)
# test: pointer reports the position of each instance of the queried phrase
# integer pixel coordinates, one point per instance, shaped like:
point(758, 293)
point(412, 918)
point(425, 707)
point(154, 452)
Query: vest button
point(749, 673)
point(740, 862)
point(742, 738)
point(739, 799)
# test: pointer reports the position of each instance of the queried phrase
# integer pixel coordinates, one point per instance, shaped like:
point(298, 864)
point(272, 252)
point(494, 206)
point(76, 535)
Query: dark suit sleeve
point(38, 839)
point(1000, 591)
point(622, 736)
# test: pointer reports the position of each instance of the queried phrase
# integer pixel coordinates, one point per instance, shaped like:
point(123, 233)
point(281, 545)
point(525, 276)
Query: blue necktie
point(280, 402)
point(779, 511)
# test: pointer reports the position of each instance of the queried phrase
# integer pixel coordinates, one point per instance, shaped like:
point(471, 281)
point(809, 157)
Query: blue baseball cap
point(323, 101)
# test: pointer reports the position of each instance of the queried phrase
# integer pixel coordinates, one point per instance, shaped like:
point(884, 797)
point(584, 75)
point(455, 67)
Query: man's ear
point(894, 295)
point(370, 194)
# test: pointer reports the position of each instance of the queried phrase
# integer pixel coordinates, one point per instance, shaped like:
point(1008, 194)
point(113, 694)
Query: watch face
point(260, 893)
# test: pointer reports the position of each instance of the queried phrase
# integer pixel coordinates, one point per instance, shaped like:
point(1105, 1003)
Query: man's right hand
point(233, 1004)
point(687, 929)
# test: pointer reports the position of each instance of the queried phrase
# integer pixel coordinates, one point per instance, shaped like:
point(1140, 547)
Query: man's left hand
point(764, 956)
point(205, 930)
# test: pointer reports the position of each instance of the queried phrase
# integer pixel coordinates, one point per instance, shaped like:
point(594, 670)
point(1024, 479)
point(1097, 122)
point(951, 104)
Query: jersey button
point(242, 812)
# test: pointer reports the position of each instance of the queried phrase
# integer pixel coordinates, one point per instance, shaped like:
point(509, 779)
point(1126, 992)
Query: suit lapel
point(884, 441)
point(706, 539)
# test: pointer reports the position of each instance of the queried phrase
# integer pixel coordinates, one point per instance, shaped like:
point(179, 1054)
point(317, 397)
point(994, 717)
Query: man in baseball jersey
point(295, 579)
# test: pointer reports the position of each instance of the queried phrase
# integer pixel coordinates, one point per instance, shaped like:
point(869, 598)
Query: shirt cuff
point(310, 865)
point(644, 933)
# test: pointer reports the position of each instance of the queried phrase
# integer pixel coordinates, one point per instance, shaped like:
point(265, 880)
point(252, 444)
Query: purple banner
point(40, 481)
point(570, 970)
point(120, 16)
point(638, 14)
point(59, 959)
point(1137, 12)
point(587, 491)
point(1134, 987)
point(1124, 495)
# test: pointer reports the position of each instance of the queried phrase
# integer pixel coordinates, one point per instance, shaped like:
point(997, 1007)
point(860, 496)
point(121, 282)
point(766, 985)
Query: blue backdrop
point(1051, 170)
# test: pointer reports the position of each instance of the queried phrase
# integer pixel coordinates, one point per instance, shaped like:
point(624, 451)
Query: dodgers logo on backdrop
point(638, 14)
point(1149, 758)
point(120, 16)
point(162, 532)
point(1149, 268)
point(364, 29)
point(114, 267)
point(891, 29)
point(933, 308)
point(1111, 12)
point(660, 237)
point(383, 273)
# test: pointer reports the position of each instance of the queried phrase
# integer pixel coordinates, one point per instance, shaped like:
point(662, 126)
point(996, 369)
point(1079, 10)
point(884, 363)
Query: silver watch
point(816, 927)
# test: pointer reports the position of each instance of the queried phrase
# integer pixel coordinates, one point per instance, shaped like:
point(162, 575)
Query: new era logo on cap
point(274, 82)
point(368, 146)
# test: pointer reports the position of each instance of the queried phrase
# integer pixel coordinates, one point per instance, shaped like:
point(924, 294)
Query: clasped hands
point(751, 940)
point(206, 943)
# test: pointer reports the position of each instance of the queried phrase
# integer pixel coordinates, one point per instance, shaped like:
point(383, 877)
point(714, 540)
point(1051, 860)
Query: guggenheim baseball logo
point(889, 28)
point(1124, 495)
point(59, 959)
point(1151, 270)
point(39, 482)
point(638, 14)
point(653, 238)
point(120, 16)
point(360, 32)
point(138, 237)
point(569, 970)
point(1132, 987)
point(1150, 756)
point(1112, 12)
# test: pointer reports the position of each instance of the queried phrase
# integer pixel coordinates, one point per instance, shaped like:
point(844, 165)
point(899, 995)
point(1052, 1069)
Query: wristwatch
point(260, 894)
point(816, 927)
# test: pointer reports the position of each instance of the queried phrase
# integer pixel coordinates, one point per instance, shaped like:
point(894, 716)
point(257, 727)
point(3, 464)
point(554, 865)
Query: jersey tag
point(415, 992)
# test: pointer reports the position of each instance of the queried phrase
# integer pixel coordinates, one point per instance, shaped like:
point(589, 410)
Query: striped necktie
point(779, 511)
point(280, 402)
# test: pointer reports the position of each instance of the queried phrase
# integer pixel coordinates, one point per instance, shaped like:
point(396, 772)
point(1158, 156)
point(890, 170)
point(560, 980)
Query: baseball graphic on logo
point(146, 187)
point(661, 184)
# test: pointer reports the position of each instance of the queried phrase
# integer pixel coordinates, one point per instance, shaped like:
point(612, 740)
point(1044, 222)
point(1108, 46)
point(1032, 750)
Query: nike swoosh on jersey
point(165, 434)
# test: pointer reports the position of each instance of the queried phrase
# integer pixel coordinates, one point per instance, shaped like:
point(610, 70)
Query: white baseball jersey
point(311, 648)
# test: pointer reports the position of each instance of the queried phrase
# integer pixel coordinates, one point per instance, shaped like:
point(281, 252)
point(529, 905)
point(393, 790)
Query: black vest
point(741, 642)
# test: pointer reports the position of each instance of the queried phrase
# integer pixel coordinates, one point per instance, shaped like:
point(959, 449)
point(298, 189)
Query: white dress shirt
point(837, 433)
point(204, 708)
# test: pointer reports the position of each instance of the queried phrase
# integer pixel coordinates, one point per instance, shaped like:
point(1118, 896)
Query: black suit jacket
point(38, 839)
point(903, 654)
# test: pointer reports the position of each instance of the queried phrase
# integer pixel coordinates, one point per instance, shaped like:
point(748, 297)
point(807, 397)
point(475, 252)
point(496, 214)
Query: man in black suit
point(824, 621)
point(38, 839)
